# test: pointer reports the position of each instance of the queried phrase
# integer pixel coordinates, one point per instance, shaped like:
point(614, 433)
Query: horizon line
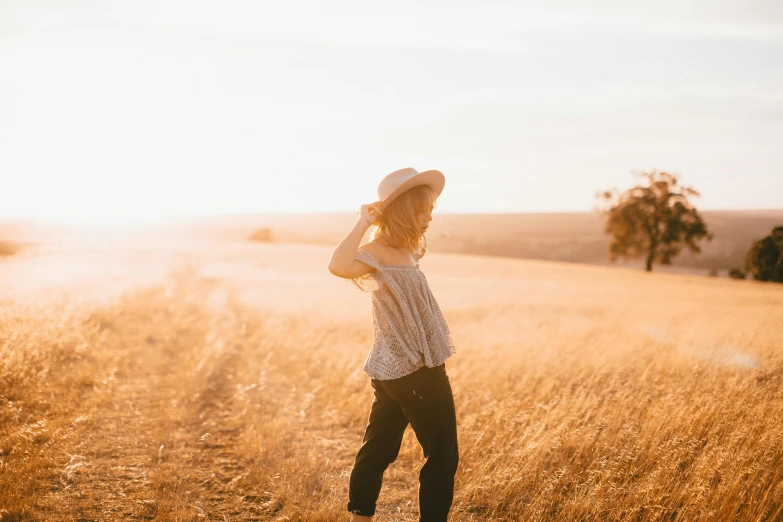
point(64, 221)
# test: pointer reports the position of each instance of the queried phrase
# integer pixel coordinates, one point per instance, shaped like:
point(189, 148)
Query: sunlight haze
point(113, 111)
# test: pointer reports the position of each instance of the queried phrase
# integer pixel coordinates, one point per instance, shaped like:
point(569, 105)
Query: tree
point(765, 257)
point(655, 220)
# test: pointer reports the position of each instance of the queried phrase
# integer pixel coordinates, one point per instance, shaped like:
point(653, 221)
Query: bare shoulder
point(376, 249)
point(370, 246)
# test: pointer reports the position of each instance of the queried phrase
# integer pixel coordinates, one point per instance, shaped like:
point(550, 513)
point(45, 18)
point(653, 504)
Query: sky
point(115, 110)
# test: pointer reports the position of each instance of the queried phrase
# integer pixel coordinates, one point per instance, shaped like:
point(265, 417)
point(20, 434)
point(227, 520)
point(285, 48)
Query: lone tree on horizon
point(656, 220)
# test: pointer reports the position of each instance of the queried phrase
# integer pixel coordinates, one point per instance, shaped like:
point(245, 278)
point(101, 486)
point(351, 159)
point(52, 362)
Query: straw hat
point(401, 180)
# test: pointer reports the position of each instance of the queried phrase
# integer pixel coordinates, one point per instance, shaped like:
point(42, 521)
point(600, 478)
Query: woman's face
point(424, 220)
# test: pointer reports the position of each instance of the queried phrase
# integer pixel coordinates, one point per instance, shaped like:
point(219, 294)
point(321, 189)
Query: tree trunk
point(650, 258)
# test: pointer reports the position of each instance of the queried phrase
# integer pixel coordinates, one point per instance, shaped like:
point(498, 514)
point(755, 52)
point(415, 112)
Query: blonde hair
point(399, 222)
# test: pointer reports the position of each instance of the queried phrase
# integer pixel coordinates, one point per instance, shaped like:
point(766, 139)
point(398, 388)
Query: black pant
point(424, 399)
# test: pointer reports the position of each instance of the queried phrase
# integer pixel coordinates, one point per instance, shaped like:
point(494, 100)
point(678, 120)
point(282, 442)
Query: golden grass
point(224, 384)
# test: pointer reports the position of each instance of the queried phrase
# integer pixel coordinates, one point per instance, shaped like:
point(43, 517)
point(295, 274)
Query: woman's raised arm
point(342, 263)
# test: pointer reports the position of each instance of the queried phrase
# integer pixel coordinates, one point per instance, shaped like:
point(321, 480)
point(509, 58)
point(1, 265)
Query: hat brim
point(433, 178)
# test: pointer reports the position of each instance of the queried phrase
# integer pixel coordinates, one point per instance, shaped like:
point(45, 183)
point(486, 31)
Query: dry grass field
point(176, 380)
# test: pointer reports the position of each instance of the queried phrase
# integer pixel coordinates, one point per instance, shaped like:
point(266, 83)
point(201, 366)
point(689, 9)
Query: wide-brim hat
point(401, 180)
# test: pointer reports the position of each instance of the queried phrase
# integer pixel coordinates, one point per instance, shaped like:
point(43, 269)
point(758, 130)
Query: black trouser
point(424, 399)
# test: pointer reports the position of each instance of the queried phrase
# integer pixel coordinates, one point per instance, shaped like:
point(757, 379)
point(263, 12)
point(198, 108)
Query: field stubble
point(226, 386)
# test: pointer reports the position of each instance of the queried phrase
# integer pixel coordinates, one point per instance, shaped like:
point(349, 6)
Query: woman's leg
point(426, 399)
point(382, 440)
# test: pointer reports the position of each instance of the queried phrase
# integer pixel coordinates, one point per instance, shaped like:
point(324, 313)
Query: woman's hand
point(371, 213)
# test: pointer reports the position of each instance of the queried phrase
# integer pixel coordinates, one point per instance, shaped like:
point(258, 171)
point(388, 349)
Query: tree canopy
point(655, 219)
point(765, 257)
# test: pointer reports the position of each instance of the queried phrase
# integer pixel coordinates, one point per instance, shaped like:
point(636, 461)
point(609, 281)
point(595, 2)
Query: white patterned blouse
point(409, 330)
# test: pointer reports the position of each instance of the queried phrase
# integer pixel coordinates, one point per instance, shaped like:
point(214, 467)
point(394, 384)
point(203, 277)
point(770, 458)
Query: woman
point(411, 341)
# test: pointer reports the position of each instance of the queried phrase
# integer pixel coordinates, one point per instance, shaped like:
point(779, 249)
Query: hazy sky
point(115, 109)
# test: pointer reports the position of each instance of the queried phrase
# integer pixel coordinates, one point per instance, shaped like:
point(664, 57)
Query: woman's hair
point(399, 223)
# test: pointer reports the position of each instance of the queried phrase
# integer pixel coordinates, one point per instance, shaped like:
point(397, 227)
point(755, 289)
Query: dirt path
point(158, 439)
point(190, 404)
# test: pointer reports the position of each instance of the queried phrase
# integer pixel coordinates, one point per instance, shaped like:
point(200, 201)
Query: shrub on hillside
point(737, 273)
point(261, 234)
point(7, 249)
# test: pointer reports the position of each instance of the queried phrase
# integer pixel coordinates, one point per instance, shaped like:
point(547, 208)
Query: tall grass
point(582, 394)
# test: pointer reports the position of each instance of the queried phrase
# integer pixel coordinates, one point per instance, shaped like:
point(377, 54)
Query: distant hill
point(569, 237)
point(580, 237)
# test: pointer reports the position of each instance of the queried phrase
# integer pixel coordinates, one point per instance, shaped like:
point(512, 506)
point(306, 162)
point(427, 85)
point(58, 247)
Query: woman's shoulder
point(378, 250)
point(372, 249)
point(385, 254)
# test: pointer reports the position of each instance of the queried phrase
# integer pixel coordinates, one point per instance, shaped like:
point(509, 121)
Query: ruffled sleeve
point(372, 280)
